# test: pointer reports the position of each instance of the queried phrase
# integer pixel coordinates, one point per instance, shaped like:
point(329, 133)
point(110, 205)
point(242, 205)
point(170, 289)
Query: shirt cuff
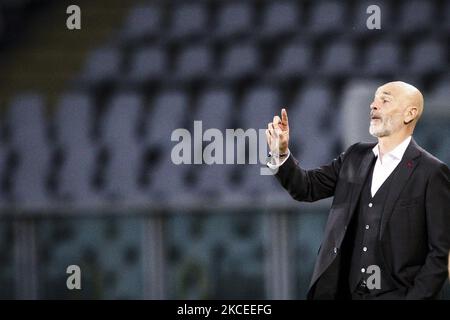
point(275, 163)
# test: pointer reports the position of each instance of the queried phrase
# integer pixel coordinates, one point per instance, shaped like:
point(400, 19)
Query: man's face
point(386, 116)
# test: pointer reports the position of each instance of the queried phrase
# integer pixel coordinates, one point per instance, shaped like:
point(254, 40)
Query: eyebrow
point(386, 93)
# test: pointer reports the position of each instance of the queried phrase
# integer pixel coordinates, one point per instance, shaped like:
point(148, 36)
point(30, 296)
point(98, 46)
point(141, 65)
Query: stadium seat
point(101, 65)
point(28, 135)
point(383, 58)
point(257, 109)
point(125, 156)
point(213, 181)
point(142, 21)
point(339, 59)
point(293, 60)
point(214, 108)
point(327, 17)
point(73, 126)
point(194, 63)
point(439, 98)
point(416, 16)
point(259, 106)
point(446, 20)
point(427, 57)
point(189, 19)
point(234, 19)
point(168, 182)
point(3, 172)
point(73, 119)
point(148, 63)
point(281, 18)
point(76, 177)
point(240, 61)
point(314, 102)
point(169, 104)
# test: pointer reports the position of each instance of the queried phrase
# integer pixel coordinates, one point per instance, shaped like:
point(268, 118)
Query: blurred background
point(86, 117)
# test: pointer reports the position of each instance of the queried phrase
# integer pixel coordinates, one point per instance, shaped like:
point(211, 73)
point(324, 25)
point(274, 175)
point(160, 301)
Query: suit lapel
point(401, 175)
point(363, 171)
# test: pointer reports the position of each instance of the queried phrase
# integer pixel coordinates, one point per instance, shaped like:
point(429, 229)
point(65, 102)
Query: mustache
point(374, 115)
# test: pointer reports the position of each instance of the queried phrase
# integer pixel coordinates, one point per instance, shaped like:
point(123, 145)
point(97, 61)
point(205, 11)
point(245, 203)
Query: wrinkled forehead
point(387, 90)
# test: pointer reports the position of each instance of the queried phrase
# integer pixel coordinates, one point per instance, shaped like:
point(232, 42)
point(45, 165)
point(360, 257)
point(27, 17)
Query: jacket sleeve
point(310, 185)
point(434, 272)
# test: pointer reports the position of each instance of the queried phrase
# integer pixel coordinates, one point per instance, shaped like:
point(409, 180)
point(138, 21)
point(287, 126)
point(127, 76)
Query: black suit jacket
point(415, 225)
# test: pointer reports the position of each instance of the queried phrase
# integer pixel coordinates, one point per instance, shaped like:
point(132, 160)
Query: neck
point(388, 143)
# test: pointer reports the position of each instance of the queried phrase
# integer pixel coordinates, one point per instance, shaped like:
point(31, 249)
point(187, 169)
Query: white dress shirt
point(383, 167)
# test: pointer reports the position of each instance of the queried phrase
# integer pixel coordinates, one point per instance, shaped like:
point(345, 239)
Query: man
point(390, 211)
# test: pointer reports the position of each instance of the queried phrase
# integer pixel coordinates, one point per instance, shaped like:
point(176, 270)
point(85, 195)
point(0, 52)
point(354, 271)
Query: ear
point(411, 113)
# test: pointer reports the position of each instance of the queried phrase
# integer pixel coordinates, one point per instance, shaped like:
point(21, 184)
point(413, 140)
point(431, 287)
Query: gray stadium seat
point(240, 60)
point(167, 182)
point(3, 167)
point(254, 187)
point(427, 57)
point(73, 126)
point(313, 119)
point(446, 19)
point(142, 21)
point(339, 59)
point(168, 112)
point(327, 17)
point(28, 138)
point(293, 60)
point(416, 15)
point(26, 122)
point(148, 63)
point(354, 103)
point(120, 121)
point(73, 119)
point(259, 106)
point(194, 63)
point(75, 186)
point(382, 58)
point(189, 19)
point(102, 64)
point(119, 136)
point(213, 181)
point(281, 18)
point(215, 108)
point(234, 19)
point(439, 98)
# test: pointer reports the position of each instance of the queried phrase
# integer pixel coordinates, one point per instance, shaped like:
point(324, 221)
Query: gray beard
point(385, 129)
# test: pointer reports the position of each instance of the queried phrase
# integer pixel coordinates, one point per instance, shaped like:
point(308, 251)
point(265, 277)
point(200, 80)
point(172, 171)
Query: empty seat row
point(231, 18)
point(244, 59)
point(127, 166)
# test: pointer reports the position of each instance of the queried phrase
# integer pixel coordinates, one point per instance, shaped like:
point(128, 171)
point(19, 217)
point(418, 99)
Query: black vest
point(365, 232)
point(340, 279)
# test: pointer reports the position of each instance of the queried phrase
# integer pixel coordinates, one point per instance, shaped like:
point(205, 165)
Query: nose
point(373, 106)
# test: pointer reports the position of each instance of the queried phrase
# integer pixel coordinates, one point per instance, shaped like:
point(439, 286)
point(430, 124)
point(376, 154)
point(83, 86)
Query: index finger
point(284, 117)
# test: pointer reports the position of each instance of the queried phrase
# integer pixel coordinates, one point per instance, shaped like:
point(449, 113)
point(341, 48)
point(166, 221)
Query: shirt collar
point(397, 152)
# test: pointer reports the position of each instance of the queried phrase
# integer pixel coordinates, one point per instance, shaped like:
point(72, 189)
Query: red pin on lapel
point(409, 164)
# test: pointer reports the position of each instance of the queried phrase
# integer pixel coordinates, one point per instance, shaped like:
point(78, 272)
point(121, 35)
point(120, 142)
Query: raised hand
point(277, 133)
